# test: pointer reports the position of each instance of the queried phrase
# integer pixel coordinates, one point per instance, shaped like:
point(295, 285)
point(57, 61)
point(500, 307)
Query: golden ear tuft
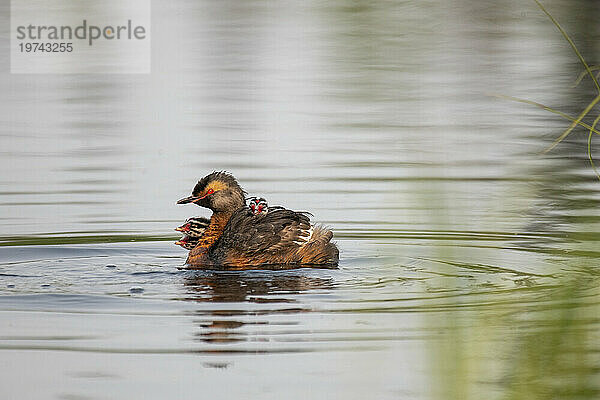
point(216, 186)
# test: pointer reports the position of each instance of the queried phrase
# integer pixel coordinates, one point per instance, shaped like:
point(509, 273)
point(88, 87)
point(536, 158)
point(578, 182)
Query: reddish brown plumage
point(238, 239)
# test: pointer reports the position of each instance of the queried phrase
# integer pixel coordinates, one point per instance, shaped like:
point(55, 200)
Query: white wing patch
point(305, 237)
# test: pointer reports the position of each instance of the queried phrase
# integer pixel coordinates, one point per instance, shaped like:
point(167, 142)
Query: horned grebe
point(236, 238)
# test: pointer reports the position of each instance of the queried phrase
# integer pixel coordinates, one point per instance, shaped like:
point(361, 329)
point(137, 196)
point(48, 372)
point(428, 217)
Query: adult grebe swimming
point(237, 238)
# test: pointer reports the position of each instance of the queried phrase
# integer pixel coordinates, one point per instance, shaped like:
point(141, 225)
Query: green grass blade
point(562, 114)
point(566, 36)
point(574, 124)
point(589, 146)
point(584, 73)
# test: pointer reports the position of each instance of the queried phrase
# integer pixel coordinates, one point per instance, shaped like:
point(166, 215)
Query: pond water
point(469, 260)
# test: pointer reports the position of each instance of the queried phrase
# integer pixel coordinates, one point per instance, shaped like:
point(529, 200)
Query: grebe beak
point(189, 199)
point(183, 228)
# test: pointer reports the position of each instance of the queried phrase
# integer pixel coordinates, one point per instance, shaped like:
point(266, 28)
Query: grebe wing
point(278, 230)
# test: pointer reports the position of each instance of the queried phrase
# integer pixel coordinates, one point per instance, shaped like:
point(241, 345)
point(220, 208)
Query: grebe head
point(187, 242)
point(218, 191)
point(194, 227)
point(258, 205)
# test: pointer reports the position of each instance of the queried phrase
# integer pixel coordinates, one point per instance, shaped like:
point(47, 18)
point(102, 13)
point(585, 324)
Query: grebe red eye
point(210, 191)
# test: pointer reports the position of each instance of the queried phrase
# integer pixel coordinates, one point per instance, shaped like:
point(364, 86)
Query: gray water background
point(469, 260)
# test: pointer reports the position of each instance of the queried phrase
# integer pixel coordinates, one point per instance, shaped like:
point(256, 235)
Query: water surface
point(469, 260)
